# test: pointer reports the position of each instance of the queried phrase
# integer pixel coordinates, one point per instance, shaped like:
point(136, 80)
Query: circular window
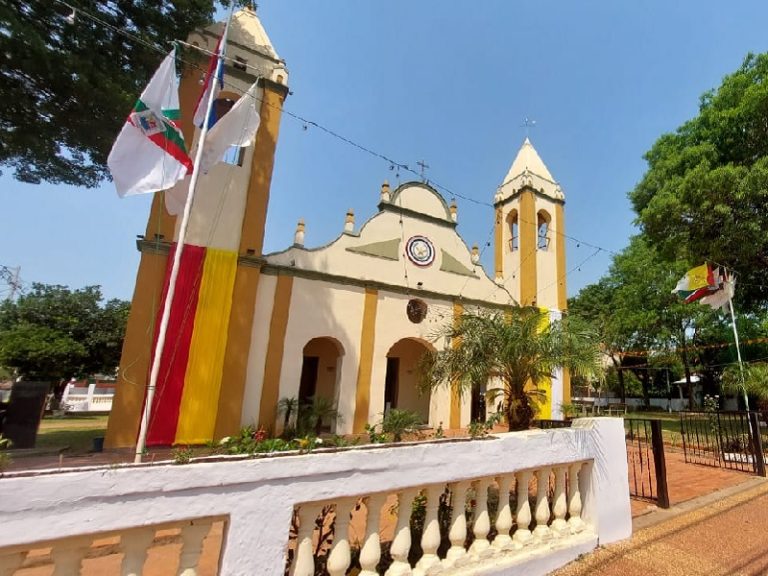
point(416, 310)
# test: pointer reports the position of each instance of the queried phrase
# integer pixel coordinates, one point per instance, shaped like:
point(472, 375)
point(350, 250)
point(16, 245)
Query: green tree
point(54, 333)
point(705, 192)
point(68, 82)
point(521, 348)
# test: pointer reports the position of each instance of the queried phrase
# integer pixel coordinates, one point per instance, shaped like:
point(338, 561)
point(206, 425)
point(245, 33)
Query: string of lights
point(391, 162)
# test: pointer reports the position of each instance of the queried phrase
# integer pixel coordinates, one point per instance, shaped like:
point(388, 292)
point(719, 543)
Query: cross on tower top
point(528, 123)
point(423, 165)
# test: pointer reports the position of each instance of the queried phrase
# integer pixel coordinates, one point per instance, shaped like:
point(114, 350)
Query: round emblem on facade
point(416, 310)
point(420, 250)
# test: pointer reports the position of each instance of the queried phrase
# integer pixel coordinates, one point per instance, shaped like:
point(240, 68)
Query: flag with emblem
point(149, 154)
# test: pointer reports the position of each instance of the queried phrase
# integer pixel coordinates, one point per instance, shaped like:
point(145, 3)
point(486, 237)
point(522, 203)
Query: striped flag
point(697, 283)
point(213, 81)
point(149, 154)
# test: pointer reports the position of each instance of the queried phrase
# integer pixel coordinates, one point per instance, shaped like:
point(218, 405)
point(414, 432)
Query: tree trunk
point(687, 366)
point(622, 384)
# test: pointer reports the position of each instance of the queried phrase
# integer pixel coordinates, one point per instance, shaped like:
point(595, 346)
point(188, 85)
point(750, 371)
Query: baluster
point(559, 507)
point(523, 514)
point(574, 499)
point(401, 543)
point(341, 554)
point(370, 553)
point(192, 536)
point(481, 547)
point(68, 556)
point(456, 555)
point(135, 545)
point(429, 562)
point(503, 540)
point(9, 563)
point(304, 559)
point(542, 531)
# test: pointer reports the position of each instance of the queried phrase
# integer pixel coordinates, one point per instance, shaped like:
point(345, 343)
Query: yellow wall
point(527, 226)
point(327, 369)
point(455, 420)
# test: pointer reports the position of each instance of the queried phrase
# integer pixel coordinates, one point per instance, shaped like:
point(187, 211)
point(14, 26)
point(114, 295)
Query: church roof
point(246, 29)
point(528, 169)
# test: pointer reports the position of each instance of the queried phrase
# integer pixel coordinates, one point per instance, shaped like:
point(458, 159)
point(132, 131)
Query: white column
point(458, 531)
point(91, 390)
point(135, 545)
point(9, 563)
point(503, 540)
point(341, 555)
point(430, 539)
point(523, 514)
point(542, 531)
point(559, 506)
point(574, 499)
point(370, 553)
point(68, 555)
point(304, 559)
point(192, 536)
point(482, 523)
point(401, 543)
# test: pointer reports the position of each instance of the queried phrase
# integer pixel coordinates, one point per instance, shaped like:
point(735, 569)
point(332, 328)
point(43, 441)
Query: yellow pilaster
point(367, 340)
point(528, 247)
point(562, 292)
point(275, 347)
point(247, 278)
point(455, 422)
point(499, 243)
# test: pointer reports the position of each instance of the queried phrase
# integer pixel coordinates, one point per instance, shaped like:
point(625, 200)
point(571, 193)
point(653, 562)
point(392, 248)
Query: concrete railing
point(80, 399)
point(560, 493)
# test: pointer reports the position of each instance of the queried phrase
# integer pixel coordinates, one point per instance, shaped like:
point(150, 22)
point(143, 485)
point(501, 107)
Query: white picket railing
point(559, 492)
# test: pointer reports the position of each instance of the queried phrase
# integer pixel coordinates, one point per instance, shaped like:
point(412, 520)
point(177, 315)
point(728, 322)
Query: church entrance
point(320, 369)
point(401, 385)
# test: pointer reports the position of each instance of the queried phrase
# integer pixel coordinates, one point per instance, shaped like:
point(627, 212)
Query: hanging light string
point(307, 122)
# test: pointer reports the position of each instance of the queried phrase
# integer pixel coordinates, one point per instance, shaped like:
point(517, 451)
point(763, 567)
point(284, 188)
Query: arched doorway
point(320, 372)
point(401, 386)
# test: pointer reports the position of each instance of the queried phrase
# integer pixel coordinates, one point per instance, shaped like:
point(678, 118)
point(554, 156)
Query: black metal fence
point(646, 461)
point(732, 440)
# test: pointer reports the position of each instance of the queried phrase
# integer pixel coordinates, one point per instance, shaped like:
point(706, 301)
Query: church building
point(347, 321)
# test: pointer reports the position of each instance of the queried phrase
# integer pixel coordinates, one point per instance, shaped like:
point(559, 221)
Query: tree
point(54, 333)
point(521, 348)
point(704, 194)
point(68, 82)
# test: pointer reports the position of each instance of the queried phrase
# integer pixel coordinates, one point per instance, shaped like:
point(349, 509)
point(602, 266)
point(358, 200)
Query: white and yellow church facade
point(347, 321)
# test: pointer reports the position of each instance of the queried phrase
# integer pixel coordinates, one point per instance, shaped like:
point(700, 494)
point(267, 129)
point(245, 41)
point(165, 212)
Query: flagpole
point(738, 352)
point(162, 331)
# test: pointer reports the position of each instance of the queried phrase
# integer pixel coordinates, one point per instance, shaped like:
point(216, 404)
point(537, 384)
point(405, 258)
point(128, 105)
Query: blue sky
point(448, 82)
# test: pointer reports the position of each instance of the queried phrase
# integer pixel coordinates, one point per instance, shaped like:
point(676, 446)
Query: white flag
point(149, 153)
point(236, 128)
point(721, 297)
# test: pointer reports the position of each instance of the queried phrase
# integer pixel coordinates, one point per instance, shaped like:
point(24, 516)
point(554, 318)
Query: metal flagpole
point(161, 335)
point(738, 352)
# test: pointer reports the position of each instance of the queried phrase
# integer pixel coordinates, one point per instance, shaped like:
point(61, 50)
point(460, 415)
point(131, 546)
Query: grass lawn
point(75, 432)
point(670, 424)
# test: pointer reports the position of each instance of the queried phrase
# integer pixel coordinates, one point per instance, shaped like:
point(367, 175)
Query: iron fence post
point(657, 441)
point(758, 457)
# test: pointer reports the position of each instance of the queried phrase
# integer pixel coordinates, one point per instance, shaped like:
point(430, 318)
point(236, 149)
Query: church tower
point(203, 371)
point(529, 233)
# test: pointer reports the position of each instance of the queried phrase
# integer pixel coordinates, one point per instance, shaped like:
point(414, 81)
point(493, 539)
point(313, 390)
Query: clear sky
point(444, 81)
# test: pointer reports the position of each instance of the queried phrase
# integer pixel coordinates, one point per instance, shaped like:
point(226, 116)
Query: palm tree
point(752, 382)
point(317, 412)
point(520, 348)
point(399, 422)
point(287, 407)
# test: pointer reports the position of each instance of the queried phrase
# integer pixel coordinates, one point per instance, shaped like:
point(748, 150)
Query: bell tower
point(529, 233)
point(203, 382)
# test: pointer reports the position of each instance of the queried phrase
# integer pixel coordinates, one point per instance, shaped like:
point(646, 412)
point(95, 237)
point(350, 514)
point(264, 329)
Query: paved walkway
point(721, 534)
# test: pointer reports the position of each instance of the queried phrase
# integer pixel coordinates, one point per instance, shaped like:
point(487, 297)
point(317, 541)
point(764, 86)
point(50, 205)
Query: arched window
point(542, 227)
point(221, 106)
point(514, 231)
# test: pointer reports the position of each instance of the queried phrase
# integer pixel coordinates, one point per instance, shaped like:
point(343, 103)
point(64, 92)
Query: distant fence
point(732, 440)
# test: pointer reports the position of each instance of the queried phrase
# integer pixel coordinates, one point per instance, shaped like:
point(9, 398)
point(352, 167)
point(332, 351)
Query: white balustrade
point(458, 530)
point(133, 503)
point(341, 552)
point(503, 540)
point(370, 553)
point(574, 499)
point(559, 505)
point(542, 531)
point(523, 535)
point(482, 524)
point(430, 539)
point(401, 542)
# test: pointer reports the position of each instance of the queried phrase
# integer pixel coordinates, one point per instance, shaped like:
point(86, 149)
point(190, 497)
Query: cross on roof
point(423, 165)
point(528, 124)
